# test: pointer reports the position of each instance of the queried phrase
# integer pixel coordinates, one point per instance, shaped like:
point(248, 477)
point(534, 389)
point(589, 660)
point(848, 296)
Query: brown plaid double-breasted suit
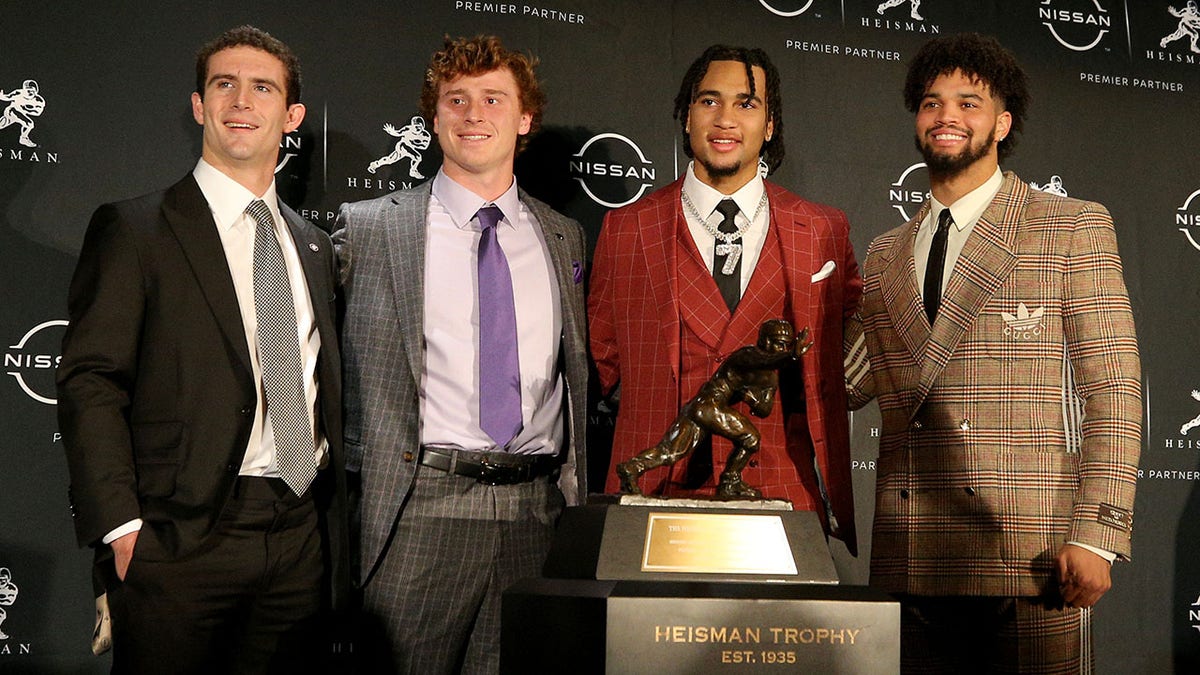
point(1013, 424)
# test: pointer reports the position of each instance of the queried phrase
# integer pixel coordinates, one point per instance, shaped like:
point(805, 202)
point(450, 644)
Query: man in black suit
point(199, 395)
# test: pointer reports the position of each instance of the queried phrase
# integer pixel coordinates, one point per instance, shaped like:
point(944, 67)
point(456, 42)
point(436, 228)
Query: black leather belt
point(489, 468)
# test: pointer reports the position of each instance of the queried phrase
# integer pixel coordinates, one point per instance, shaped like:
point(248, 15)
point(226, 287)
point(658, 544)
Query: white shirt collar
point(705, 197)
point(970, 207)
point(461, 203)
point(228, 198)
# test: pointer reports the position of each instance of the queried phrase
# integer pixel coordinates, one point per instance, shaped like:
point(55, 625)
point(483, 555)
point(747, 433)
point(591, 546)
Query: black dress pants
point(246, 601)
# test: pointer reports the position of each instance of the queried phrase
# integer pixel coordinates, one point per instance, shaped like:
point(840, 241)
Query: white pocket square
point(825, 271)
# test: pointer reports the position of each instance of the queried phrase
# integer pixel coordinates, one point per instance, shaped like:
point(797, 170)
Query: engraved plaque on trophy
point(717, 543)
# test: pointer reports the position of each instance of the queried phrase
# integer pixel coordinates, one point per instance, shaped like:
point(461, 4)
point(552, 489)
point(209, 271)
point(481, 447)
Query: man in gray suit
point(465, 370)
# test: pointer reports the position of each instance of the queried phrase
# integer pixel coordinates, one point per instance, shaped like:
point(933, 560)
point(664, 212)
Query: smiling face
point(959, 126)
point(244, 113)
point(478, 123)
point(727, 127)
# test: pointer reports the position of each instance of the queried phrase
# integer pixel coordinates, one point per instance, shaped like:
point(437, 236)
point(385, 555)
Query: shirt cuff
point(1107, 555)
point(132, 526)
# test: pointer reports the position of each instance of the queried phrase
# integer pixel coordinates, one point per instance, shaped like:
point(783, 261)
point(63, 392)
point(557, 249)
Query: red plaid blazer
point(634, 314)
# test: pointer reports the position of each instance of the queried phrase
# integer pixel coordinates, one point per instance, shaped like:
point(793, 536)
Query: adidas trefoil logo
point(1024, 325)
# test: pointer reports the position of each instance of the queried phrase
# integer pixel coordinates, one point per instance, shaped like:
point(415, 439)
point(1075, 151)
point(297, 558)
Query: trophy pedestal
point(693, 586)
point(682, 628)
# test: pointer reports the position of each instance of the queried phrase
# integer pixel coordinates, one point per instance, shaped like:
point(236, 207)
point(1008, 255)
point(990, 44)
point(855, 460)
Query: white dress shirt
point(450, 382)
point(706, 198)
point(966, 211)
point(228, 199)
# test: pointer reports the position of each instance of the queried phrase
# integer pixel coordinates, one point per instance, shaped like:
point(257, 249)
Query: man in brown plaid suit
point(1009, 386)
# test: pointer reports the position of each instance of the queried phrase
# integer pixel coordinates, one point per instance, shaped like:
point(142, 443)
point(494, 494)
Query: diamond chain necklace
point(725, 245)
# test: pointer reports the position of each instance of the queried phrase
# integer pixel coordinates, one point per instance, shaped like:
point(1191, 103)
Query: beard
point(721, 171)
point(951, 165)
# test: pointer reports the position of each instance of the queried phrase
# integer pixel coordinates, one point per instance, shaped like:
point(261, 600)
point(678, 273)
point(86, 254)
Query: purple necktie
point(499, 369)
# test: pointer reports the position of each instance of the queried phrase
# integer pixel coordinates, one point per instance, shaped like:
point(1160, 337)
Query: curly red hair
point(478, 55)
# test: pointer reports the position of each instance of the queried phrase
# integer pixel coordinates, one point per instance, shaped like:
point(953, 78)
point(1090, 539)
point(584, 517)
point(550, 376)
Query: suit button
point(904, 494)
point(408, 456)
point(970, 491)
point(247, 410)
point(230, 468)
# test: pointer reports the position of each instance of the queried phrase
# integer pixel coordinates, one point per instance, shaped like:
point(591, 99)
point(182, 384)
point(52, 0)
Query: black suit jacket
point(156, 390)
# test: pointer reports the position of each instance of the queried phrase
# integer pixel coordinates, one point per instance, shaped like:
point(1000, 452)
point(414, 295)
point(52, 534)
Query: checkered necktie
point(499, 368)
point(279, 355)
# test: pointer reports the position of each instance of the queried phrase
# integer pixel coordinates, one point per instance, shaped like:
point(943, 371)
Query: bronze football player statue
point(750, 374)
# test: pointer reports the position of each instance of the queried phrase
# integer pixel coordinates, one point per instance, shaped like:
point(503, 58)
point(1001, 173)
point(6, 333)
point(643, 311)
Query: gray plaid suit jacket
point(1014, 424)
point(381, 256)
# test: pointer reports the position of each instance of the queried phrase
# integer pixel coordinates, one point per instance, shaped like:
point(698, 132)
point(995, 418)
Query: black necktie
point(936, 265)
point(729, 284)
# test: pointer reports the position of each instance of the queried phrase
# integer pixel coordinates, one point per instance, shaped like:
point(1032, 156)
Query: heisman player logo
point(1192, 423)
point(24, 104)
point(887, 16)
point(1054, 186)
point(1189, 26)
point(412, 139)
point(914, 7)
point(8, 595)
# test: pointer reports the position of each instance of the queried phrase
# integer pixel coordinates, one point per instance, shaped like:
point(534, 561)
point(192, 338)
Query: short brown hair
point(249, 36)
point(476, 56)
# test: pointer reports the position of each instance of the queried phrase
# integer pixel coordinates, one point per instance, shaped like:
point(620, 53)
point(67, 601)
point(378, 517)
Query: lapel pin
point(314, 248)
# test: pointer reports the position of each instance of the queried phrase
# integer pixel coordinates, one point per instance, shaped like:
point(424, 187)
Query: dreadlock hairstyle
point(249, 36)
point(476, 56)
point(772, 150)
point(978, 57)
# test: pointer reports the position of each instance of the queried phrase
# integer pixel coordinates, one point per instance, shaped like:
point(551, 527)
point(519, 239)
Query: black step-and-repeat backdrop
point(94, 107)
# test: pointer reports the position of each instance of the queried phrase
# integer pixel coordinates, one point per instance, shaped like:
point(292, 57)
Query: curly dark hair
point(772, 150)
point(979, 57)
point(476, 56)
point(249, 36)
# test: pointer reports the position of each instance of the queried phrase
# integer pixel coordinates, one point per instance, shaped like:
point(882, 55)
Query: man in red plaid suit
point(684, 277)
point(997, 334)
